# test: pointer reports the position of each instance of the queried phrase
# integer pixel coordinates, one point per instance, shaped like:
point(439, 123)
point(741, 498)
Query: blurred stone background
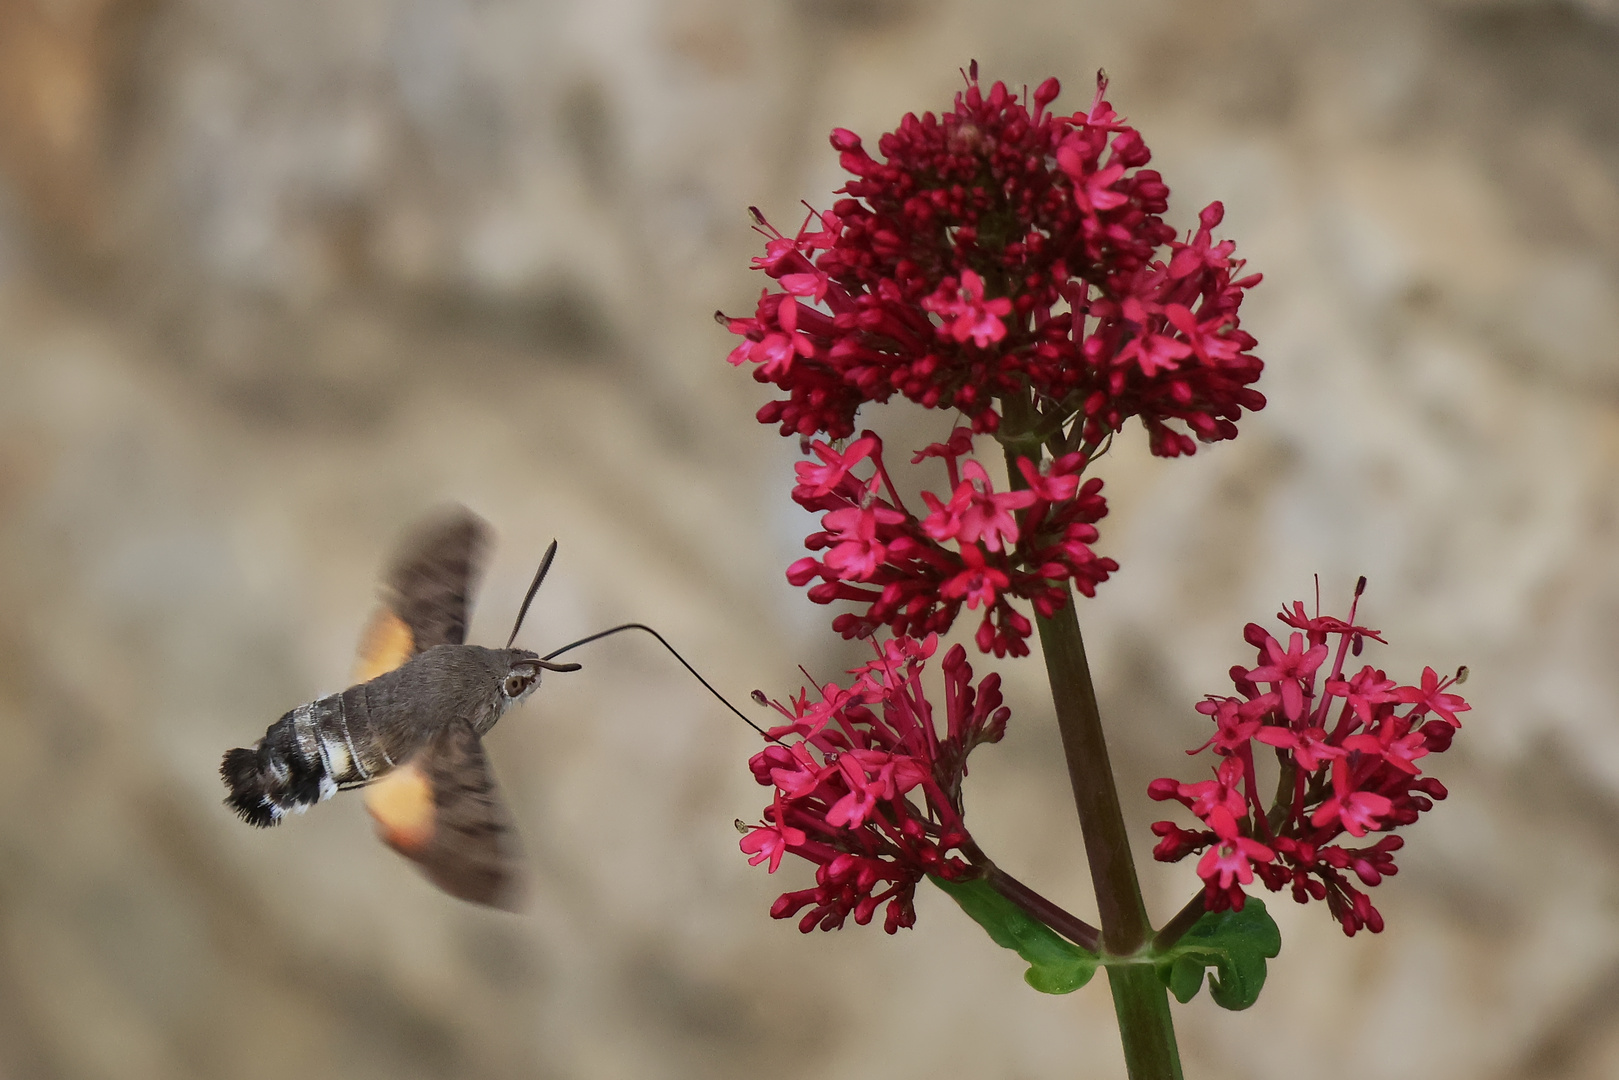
point(275, 278)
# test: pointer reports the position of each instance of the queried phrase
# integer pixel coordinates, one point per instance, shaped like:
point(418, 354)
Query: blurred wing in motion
point(426, 592)
point(441, 811)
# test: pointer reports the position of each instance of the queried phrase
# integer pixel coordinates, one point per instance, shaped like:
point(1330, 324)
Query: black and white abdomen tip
point(286, 772)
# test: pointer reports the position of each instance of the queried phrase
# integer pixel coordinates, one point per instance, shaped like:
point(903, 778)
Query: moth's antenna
point(539, 576)
point(642, 626)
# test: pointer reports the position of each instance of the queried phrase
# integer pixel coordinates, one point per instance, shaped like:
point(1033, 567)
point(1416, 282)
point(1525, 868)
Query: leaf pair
point(1235, 944)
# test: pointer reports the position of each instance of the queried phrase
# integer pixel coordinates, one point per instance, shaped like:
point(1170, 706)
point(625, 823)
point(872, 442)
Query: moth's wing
point(426, 591)
point(441, 811)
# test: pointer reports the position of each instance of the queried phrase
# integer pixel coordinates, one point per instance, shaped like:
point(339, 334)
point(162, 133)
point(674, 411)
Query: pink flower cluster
point(869, 789)
point(978, 547)
point(997, 250)
point(1347, 747)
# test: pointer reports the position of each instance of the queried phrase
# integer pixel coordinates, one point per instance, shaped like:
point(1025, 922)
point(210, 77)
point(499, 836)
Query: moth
point(410, 731)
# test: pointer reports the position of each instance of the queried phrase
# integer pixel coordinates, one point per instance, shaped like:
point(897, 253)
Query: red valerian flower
point(870, 790)
point(1000, 248)
point(980, 548)
point(975, 513)
point(1346, 750)
point(967, 314)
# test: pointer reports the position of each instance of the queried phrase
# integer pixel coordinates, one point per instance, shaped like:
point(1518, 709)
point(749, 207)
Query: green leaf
point(1235, 944)
point(1056, 965)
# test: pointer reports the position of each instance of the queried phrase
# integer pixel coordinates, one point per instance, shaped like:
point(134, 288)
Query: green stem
point(1107, 846)
point(1141, 1002)
point(1139, 999)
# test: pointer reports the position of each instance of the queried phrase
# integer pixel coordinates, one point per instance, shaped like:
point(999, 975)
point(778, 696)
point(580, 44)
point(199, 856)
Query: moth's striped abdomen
point(304, 758)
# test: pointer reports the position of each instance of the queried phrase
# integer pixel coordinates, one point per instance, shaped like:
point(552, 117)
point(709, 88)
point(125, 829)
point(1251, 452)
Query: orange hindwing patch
point(401, 804)
point(386, 643)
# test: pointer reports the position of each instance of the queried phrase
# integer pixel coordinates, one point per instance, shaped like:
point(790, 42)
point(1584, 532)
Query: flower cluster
point(978, 547)
point(996, 251)
point(868, 788)
point(1348, 747)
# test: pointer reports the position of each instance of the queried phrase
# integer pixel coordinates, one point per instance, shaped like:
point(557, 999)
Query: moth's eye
point(516, 684)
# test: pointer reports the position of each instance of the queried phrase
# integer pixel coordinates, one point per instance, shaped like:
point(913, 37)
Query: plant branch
point(1184, 920)
point(1041, 910)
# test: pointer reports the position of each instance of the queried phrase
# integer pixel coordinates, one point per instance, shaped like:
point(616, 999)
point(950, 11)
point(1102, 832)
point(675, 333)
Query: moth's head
point(523, 669)
point(522, 676)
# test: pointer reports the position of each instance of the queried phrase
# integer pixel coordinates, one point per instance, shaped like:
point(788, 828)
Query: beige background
point(275, 277)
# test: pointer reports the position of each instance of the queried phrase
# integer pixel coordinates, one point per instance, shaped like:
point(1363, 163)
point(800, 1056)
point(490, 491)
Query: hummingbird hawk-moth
point(410, 731)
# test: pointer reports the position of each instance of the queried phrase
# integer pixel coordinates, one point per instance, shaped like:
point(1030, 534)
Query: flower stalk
point(1079, 720)
point(1140, 1000)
